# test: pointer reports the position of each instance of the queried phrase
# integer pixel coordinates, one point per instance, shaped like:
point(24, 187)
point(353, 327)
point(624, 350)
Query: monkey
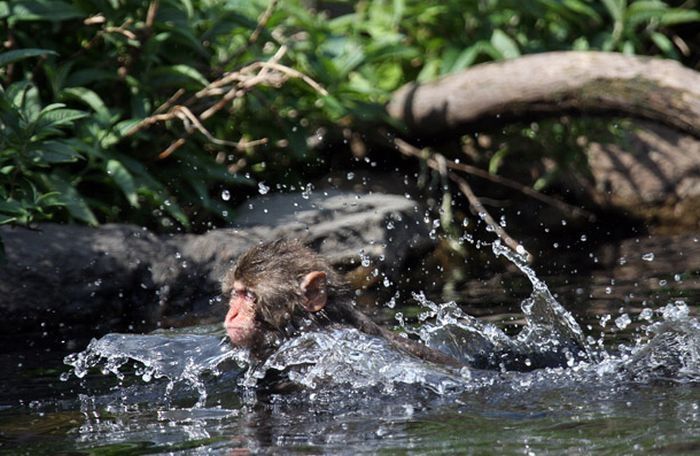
point(278, 289)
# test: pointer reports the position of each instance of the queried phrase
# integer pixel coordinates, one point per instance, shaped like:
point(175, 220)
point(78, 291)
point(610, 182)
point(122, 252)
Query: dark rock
point(60, 274)
point(119, 277)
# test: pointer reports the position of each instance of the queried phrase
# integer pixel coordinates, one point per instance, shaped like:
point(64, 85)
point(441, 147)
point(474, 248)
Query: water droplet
point(648, 256)
point(262, 188)
point(622, 321)
point(306, 193)
point(584, 238)
point(350, 176)
point(646, 314)
point(225, 195)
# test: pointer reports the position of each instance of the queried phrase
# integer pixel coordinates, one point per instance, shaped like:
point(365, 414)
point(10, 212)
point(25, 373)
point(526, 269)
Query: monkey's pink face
point(240, 319)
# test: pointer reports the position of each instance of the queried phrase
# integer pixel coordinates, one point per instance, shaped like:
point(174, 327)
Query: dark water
point(185, 392)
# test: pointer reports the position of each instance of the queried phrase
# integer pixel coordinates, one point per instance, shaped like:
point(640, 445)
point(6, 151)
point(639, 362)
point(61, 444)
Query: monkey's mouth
point(239, 335)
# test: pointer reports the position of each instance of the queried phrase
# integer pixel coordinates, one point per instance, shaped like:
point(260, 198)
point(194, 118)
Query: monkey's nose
point(232, 314)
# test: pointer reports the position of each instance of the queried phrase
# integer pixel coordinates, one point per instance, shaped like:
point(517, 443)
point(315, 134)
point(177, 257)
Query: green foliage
point(81, 78)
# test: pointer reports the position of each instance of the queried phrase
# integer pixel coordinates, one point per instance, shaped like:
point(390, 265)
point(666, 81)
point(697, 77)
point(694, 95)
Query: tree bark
point(552, 83)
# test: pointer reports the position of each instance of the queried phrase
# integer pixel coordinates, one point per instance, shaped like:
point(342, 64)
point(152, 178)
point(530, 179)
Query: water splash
point(541, 309)
point(181, 358)
point(348, 356)
point(549, 350)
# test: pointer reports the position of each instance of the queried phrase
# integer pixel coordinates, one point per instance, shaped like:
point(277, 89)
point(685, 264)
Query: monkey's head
point(273, 288)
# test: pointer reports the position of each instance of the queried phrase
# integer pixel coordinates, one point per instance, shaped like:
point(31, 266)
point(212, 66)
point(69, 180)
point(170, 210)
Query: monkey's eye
point(244, 294)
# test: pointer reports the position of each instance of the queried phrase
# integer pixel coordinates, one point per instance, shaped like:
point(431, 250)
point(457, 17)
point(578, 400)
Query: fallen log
point(551, 83)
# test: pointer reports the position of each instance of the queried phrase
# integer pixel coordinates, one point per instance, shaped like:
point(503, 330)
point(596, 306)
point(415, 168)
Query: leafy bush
point(148, 111)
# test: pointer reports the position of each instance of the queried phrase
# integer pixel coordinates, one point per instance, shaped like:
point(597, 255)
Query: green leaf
point(616, 9)
point(679, 16)
point(57, 151)
point(14, 56)
point(25, 96)
point(12, 207)
point(54, 116)
point(664, 44)
point(88, 97)
point(46, 10)
point(174, 75)
point(174, 209)
point(124, 180)
point(582, 8)
point(76, 205)
point(89, 76)
point(644, 11)
point(429, 71)
point(505, 44)
point(497, 160)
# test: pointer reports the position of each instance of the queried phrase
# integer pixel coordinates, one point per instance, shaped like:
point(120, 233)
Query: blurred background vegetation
point(164, 113)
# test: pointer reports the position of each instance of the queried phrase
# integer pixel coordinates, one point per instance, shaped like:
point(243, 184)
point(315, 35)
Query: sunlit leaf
point(87, 96)
point(664, 44)
point(679, 16)
point(497, 160)
point(505, 44)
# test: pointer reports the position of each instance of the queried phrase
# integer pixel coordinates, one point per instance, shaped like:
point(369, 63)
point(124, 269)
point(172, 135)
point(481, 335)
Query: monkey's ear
point(313, 285)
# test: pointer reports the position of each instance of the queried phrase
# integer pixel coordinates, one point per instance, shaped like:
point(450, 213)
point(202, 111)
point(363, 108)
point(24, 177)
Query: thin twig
point(172, 148)
point(227, 88)
point(170, 101)
point(297, 74)
point(565, 208)
point(475, 203)
point(440, 164)
point(151, 14)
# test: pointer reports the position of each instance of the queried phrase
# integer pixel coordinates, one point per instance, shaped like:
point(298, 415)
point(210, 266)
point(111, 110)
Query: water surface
point(187, 391)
